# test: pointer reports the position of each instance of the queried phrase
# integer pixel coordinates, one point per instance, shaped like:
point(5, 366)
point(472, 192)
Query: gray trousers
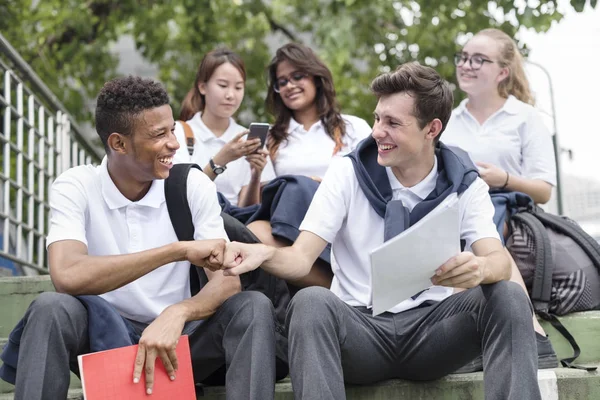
point(239, 336)
point(331, 342)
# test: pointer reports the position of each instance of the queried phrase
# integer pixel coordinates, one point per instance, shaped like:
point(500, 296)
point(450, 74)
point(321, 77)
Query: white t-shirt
point(515, 139)
point(207, 145)
point(309, 152)
point(341, 214)
point(87, 206)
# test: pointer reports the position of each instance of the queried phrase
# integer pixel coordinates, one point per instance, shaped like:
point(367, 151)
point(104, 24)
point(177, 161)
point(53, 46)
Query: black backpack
point(181, 217)
point(559, 263)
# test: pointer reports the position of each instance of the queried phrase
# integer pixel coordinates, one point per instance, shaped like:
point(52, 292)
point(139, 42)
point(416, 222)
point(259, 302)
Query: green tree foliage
point(69, 42)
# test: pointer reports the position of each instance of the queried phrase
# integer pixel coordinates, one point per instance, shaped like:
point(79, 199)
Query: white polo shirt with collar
point(87, 206)
point(341, 214)
point(207, 145)
point(514, 138)
point(309, 152)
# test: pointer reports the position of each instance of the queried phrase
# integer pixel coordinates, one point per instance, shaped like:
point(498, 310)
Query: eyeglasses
point(475, 61)
point(295, 78)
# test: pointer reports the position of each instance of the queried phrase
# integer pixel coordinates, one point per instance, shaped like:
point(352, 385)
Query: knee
point(55, 306)
point(509, 299)
point(251, 306)
point(310, 307)
point(262, 230)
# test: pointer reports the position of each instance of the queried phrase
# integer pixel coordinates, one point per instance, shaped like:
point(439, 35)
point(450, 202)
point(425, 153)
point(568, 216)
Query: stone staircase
point(559, 383)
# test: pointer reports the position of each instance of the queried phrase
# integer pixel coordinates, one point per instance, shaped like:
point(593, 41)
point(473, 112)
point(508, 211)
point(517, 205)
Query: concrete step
point(15, 295)
point(560, 383)
point(73, 395)
point(584, 326)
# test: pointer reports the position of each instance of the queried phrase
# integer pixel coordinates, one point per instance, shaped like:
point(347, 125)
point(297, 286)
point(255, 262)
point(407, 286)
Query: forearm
point(496, 267)
point(100, 274)
point(209, 298)
point(537, 189)
point(288, 263)
point(250, 194)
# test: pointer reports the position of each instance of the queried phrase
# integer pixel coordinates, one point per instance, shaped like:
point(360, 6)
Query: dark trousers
point(331, 342)
point(239, 336)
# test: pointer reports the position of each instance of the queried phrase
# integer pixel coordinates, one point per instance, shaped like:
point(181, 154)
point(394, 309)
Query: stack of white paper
point(404, 265)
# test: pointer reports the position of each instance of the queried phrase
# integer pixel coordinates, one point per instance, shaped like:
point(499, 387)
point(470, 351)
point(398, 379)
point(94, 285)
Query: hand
point(257, 162)
point(463, 271)
point(495, 177)
point(242, 257)
point(236, 148)
point(316, 178)
point(206, 253)
point(159, 339)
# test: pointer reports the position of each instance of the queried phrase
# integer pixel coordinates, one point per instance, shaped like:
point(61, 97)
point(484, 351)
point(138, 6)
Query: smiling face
point(484, 80)
point(297, 96)
point(150, 148)
point(400, 138)
point(223, 92)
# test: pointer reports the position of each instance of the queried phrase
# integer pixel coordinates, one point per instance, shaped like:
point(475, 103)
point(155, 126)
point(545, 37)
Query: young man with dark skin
point(110, 235)
point(388, 183)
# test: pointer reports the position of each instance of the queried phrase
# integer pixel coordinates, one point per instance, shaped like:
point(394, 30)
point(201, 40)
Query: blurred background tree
point(70, 43)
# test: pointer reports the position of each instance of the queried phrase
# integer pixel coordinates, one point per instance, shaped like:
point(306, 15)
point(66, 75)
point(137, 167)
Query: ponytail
point(192, 103)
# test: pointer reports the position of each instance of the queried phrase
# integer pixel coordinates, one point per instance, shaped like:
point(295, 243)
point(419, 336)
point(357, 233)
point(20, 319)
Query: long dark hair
point(194, 100)
point(305, 60)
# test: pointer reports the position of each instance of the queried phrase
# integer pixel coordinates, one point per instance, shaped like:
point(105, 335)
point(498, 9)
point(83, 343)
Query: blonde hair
point(516, 83)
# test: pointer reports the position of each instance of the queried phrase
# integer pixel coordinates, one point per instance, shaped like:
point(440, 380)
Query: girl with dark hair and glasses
point(309, 130)
point(237, 166)
point(503, 133)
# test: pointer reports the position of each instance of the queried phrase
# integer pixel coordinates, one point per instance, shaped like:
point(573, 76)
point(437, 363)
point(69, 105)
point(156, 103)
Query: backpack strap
point(566, 362)
point(544, 264)
point(189, 136)
point(181, 216)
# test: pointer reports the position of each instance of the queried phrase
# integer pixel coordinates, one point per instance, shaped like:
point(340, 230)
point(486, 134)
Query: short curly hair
point(121, 100)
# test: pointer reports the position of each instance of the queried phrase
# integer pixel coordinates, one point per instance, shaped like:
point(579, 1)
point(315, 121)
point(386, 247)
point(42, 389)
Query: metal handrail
point(44, 92)
point(38, 141)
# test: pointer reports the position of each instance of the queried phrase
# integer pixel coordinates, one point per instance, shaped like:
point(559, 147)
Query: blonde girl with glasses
point(218, 144)
point(497, 123)
point(502, 132)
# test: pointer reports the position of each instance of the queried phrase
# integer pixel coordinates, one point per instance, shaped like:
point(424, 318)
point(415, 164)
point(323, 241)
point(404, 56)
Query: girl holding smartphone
point(309, 130)
point(218, 144)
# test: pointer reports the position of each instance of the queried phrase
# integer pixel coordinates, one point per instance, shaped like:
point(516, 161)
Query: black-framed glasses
point(476, 61)
point(294, 77)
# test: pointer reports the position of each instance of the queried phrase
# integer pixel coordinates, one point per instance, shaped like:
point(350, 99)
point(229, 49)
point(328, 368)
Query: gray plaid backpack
point(559, 263)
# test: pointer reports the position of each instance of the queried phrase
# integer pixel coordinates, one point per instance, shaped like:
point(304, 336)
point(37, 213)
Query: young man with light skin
point(392, 180)
point(111, 235)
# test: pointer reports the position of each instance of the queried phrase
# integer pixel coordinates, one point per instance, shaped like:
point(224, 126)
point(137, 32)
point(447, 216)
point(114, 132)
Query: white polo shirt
point(341, 214)
point(309, 152)
point(515, 139)
point(207, 145)
point(87, 206)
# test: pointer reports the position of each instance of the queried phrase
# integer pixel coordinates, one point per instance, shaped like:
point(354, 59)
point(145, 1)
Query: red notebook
point(108, 375)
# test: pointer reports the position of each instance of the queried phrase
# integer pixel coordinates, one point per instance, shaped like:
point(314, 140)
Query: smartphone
point(259, 130)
